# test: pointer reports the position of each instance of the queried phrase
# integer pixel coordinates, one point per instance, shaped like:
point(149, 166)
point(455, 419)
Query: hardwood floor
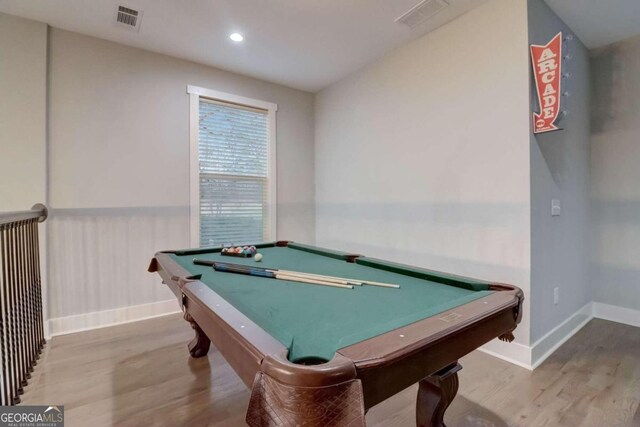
point(140, 374)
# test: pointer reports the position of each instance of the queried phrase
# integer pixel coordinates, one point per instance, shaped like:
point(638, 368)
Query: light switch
point(555, 207)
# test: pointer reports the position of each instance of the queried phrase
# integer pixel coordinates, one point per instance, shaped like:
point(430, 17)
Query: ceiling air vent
point(128, 18)
point(421, 12)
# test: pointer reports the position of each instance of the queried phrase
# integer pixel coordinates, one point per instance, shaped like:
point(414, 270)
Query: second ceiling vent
point(421, 12)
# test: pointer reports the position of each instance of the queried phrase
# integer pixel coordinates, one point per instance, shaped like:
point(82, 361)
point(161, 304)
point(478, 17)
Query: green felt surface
point(315, 321)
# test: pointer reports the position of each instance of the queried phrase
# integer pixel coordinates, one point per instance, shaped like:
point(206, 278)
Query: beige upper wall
point(23, 68)
point(119, 130)
point(423, 157)
point(119, 169)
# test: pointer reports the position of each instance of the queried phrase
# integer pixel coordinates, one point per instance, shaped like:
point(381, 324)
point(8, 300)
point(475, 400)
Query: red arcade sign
point(547, 64)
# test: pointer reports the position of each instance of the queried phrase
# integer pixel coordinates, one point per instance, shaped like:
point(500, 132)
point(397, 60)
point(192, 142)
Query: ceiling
point(305, 44)
point(599, 22)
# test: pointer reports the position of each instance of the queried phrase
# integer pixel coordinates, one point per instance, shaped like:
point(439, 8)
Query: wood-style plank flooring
point(140, 374)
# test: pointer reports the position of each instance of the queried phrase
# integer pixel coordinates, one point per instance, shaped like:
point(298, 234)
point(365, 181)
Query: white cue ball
point(257, 257)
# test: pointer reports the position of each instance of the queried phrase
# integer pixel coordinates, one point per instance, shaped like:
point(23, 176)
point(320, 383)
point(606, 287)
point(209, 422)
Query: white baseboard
point(101, 319)
point(512, 352)
point(552, 340)
point(615, 313)
point(530, 357)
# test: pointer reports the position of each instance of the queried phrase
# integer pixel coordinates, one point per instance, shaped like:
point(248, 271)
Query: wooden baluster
point(36, 249)
point(21, 314)
point(5, 395)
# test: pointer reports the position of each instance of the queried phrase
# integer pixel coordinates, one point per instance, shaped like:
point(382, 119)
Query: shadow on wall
point(556, 157)
point(615, 87)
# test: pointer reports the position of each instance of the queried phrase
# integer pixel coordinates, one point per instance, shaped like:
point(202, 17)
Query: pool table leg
point(435, 394)
point(199, 345)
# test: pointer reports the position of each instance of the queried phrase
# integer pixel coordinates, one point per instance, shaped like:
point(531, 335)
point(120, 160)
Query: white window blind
point(233, 144)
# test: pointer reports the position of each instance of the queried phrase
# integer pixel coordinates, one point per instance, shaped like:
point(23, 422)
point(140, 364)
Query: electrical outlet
point(556, 296)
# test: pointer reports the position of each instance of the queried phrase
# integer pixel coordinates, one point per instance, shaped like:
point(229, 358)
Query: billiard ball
point(257, 257)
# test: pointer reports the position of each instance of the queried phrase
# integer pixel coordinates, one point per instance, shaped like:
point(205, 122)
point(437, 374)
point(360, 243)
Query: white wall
point(560, 245)
point(615, 162)
point(423, 156)
point(119, 167)
point(23, 77)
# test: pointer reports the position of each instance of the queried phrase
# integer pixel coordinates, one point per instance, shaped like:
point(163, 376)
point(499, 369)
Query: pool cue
point(261, 272)
point(343, 280)
point(318, 276)
point(337, 280)
point(358, 282)
point(312, 281)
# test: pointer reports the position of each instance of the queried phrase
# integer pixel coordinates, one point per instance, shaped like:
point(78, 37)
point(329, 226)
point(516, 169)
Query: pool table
point(322, 356)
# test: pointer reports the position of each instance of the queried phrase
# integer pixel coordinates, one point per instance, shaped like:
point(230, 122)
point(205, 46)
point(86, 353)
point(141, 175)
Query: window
point(232, 169)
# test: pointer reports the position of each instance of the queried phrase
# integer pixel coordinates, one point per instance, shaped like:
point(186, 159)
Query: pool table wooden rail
point(242, 342)
point(359, 376)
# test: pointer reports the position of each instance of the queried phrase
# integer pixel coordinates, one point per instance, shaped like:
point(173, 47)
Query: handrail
point(39, 211)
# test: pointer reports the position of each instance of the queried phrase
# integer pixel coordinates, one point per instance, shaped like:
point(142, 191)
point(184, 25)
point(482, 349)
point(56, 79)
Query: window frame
point(195, 94)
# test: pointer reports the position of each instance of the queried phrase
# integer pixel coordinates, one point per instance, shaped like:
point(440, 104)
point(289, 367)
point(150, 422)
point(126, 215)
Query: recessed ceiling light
point(236, 37)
